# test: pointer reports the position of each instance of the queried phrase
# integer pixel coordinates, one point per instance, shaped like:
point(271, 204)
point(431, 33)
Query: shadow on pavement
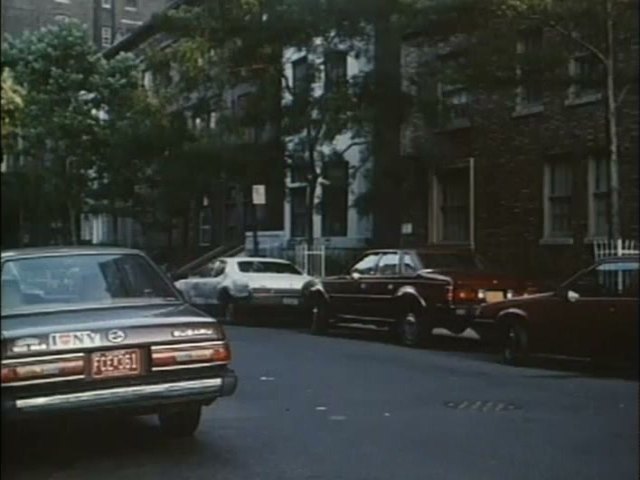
point(55, 444)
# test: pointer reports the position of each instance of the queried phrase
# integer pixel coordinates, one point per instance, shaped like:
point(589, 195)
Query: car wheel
point(412, 330)
point(180, 422)
point(515, 347)
point(319, 317)
point(229, 309)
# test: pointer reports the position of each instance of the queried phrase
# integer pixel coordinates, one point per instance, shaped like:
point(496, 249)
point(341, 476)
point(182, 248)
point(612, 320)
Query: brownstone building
point(106, 20)
point(520, 174)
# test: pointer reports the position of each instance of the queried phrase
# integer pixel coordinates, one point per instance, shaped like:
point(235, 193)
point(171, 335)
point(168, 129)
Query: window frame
point(335, 78)
point(103, 37)
point(332, 192)
point(575, 94)
point(550, 197)
point(523, 103)
point(597, 194)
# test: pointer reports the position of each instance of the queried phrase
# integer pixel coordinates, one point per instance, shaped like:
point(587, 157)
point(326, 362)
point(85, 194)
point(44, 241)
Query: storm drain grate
point(483, 406)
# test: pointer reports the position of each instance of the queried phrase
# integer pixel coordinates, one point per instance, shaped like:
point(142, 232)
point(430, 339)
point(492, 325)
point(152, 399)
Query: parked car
point(235, 285)
point(411, 291)
point(594, 314)
point(90, 329)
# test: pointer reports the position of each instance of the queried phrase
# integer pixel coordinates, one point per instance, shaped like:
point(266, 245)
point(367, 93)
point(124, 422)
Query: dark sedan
point(412, 292)
point(594, 314)
point(102, 329)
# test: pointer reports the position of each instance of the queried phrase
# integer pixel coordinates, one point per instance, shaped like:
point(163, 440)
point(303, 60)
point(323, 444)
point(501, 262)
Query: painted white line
point(337, 417)
point(321, 408)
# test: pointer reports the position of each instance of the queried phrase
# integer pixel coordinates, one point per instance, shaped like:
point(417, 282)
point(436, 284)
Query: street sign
point(259, 195)
point(407, 228)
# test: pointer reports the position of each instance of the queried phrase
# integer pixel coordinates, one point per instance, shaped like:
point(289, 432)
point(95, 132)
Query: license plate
point(115, 363)
point(290, 301)
point(494, 296)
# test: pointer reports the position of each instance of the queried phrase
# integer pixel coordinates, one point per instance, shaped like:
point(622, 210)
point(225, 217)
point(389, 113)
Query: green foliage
point(12, 104)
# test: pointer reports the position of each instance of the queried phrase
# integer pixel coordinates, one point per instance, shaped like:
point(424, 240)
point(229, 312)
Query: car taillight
point(190, 355)
point(466, 294)
point(44, 369)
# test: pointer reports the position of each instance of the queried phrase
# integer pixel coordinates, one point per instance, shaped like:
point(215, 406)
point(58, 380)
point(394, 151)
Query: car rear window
point(63, 281)
point(252, 266)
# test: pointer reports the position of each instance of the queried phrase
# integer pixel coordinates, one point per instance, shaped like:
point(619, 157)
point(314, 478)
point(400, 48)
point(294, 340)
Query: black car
point(102, 329)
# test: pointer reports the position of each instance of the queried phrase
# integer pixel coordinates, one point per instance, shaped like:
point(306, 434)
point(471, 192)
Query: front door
point(346, 291)
point(378, 290)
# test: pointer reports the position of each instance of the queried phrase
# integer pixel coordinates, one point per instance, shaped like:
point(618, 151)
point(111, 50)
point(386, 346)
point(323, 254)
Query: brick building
point(106, 20)
point(520, 174)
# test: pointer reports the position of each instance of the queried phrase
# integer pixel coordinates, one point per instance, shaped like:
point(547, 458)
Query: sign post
point(258, 197)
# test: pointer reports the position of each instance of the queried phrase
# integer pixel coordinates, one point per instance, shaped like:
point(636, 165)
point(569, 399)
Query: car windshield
point(449, 261)
point(71, 281)
point(268, 267)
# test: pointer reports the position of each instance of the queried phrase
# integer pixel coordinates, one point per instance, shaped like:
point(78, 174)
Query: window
point(586, 73)
point(298, 212)
point(409, 264)
point(205, 236)
point(268, 267)
point(366, 266)
point(454, 97)
point(131, 4)
point(529, 69)
point(241, 105)
point(559, 188)
point(335, 198)
point(301, 79)
point(335, 64)
point(389, 264)
point(598, 197)
point(454, 205)
point(619, 279)
point(106, 3)
point(106, 36)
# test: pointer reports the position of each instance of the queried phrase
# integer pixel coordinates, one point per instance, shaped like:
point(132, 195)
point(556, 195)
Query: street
point(355, 406)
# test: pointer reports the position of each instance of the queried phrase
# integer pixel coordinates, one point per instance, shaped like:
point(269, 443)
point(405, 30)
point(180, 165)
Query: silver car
point(240, 283)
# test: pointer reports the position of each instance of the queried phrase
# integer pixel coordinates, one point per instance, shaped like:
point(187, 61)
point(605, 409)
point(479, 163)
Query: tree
point(69, 87)
point(601, 29)
point(12, 104)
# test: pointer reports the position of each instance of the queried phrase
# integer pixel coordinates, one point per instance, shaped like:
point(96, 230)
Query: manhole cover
point(483, 406)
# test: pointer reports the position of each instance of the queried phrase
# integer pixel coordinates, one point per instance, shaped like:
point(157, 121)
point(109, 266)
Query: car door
point(345, 291)
point(588, 309)
point(377, 290)
point(615, 335)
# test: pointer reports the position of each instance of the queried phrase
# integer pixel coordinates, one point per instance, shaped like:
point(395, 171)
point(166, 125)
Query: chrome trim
point(216, 343)
point(193, 365)
point(359, 317)
point(484, 320)
point(42, 380)
point(45, 358)
point(114, 393)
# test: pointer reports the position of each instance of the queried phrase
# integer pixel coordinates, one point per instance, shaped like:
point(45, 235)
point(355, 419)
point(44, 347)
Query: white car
point(233, 282)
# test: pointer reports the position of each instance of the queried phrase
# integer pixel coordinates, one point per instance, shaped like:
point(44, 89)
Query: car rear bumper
point(145, 397)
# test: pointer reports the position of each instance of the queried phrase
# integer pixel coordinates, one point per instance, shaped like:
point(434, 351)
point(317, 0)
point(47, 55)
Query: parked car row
point(413, 292)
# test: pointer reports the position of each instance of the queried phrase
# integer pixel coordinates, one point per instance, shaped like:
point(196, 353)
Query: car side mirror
point(355, 275)
point(572, 296)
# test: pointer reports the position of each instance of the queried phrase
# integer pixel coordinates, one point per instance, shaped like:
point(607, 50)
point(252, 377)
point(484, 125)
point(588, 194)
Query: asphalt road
point(353, 406)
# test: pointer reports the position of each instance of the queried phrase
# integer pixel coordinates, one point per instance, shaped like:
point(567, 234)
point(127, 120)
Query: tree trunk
point(311, 194)
point(612, 129)
point(73, 227)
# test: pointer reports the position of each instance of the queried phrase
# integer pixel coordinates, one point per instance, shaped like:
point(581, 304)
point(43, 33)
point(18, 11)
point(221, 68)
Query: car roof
point(255, 259)
point(65, 250)
point(620, 258)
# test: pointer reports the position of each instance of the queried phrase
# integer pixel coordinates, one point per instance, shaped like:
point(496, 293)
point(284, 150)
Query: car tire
point(412, 330)
point(319, 312)
point(515, 347)
point(182, 421)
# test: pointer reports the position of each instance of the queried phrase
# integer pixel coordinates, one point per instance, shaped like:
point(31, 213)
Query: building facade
point(520, 175)
point(106, 20)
